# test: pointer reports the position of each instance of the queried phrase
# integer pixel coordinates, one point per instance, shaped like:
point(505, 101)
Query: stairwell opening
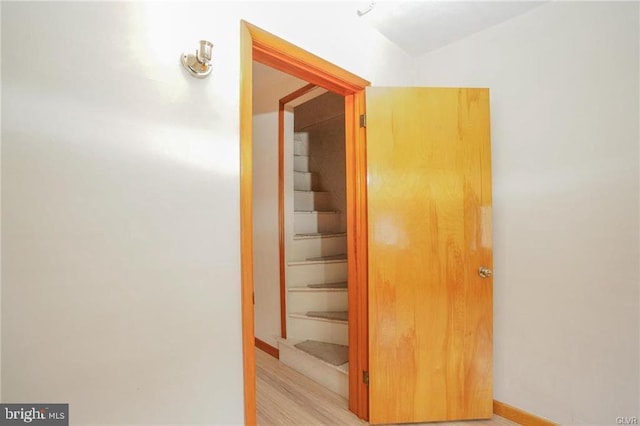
point(310, 334)
point(316, 255)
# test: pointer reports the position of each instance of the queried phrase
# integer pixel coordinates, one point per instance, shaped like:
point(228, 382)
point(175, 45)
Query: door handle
point(485, 272)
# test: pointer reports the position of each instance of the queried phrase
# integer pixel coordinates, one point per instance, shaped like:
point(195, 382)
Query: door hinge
point(365, 377)
point(363, 120)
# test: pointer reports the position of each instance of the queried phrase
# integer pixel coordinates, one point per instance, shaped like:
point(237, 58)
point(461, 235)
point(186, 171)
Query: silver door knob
point(484, 272)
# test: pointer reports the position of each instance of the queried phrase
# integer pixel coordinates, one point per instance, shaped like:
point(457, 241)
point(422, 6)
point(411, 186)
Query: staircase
point(316, 277)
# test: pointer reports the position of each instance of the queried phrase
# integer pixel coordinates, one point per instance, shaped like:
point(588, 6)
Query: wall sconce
point(199, 65)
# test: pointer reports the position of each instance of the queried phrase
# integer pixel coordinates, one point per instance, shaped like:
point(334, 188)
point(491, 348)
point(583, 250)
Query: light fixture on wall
point(199, 64)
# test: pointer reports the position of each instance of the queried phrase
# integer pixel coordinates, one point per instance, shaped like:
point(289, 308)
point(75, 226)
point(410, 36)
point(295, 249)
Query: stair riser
point(301, 147)
point(315, 369)
point(301, 137)
point(301, 164)
point(304, 181)
point(317, 247)
point(317, 301)
point(314, 222)
point(309, 201)
point(323, 331)
point(301, 275)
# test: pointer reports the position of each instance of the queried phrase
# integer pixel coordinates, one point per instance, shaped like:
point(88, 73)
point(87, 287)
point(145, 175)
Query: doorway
point(258, 45)
point(301, 304)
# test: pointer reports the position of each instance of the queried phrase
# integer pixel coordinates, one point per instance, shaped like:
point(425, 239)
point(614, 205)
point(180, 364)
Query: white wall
point(120, 185)
point(564, 98)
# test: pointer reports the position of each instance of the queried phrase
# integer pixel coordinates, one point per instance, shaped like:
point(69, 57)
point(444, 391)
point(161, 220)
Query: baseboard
point(274, 352)
point(519, 416)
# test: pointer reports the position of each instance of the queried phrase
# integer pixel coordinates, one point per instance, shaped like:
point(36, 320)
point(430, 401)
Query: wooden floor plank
point(286, 397)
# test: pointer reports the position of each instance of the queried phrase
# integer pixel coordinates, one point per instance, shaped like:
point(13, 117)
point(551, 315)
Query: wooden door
point(429, 210)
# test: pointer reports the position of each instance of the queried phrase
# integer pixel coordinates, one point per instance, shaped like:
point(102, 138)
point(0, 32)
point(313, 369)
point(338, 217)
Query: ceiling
point(415, 26)
point(420, 26)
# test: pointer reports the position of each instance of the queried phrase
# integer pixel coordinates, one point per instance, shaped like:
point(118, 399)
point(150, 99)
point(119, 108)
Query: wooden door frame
point(261, 46)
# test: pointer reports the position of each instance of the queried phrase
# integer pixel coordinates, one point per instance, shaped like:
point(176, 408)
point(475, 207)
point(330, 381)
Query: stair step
point(309, 235)
point(316, 221)
point(339, 258)
point(335, 378)
point(342, 286)
point(330, 315)
point(300, 274)
point(329, 285)
point(305, 245)
point(327, 211)
point(301, 326)
point(311, 201)
point(336, 317)
point(304, 181)
point(317, 300)
point(300, 147)
point(300, 163)
point(328, 352)
point(301, 136)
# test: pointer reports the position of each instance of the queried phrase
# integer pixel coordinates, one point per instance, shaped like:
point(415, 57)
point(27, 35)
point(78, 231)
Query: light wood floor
point(286, 397)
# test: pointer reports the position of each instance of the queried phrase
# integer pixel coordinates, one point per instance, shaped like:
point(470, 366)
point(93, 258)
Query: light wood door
point(429, 209)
